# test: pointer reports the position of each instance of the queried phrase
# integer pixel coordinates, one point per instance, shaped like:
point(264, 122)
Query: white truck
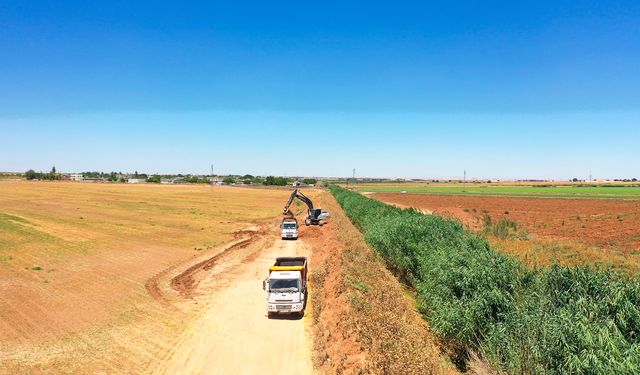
point(289, 228)
point(286, 286)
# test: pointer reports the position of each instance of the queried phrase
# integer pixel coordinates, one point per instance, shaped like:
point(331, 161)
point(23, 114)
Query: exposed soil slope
point(364, 322)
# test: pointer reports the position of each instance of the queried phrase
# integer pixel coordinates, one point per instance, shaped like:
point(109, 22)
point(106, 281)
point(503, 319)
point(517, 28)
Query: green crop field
point(550, 191)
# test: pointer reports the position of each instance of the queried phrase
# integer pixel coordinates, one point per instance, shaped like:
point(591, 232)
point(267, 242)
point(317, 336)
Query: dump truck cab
point(289, 229)
point(286, 286)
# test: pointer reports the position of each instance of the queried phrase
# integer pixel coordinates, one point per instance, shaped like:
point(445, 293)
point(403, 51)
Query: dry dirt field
point(567, 230)
point(105, 278)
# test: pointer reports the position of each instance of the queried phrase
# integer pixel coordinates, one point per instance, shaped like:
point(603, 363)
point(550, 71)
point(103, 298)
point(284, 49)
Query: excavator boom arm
point(306, 200)
point(288, 205)
point(297, 194)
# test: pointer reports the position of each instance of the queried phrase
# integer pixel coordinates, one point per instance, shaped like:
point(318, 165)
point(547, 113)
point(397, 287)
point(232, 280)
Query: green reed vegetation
point(555, 320)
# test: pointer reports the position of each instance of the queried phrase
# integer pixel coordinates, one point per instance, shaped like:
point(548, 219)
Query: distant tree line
point(310, 181)
point(248, 179)
point(229, 180)
point(113, 176)
point(276, 181)
point(52, 175)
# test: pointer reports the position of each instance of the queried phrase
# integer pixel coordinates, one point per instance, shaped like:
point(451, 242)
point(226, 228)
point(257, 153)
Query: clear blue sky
point(504, 89)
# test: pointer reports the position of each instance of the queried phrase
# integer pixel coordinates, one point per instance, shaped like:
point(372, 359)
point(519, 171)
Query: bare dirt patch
point(594, 221)
point(188, 280)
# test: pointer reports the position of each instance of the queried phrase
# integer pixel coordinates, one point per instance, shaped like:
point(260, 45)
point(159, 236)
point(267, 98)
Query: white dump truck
point(286, 286)
point(289, 228)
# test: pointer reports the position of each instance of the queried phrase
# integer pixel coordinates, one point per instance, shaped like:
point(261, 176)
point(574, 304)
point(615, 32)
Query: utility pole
point(464, 184)
point(212, 177)
point(354, 176)
point(590, 178)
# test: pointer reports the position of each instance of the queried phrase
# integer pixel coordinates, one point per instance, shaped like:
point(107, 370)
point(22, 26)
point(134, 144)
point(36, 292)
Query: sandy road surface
point(234, 335)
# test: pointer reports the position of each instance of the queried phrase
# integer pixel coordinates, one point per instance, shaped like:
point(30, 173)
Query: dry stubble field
point(76, 260)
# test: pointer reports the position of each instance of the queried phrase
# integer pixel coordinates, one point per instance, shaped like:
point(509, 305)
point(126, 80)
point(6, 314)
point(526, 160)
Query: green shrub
point(276, 181)
point(505, 229)
point(154, 179)
point(553, 320)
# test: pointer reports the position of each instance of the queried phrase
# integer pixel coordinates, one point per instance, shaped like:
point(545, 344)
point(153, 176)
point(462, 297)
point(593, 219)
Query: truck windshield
point(289, 226)
point(281, 285)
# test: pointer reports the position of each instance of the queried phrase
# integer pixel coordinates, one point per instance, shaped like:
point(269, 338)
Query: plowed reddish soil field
point(611, 223)
point(569, 231)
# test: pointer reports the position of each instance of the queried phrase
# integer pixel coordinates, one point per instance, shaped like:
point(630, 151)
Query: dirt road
point(233, 334)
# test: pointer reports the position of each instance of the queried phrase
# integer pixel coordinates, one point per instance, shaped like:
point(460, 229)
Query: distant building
point(299, 184)
point(74, 177)
point(217, 181)
point(136, 181)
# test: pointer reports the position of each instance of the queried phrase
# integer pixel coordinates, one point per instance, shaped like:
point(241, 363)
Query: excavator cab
point(314, 217)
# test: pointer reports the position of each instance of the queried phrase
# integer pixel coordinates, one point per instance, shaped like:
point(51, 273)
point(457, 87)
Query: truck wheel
point(269, 314)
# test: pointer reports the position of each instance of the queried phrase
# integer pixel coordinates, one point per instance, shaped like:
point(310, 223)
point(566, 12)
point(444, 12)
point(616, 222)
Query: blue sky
point(420, 89)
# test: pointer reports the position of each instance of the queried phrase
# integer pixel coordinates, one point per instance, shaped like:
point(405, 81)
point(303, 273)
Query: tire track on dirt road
point(186, 281)
point(233, 335)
